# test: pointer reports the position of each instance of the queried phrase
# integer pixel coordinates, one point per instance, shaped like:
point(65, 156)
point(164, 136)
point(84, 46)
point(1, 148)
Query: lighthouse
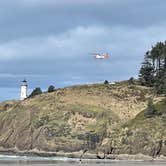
point(23, 91)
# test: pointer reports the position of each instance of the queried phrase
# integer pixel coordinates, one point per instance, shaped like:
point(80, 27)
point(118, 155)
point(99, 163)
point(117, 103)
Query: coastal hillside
point(145, 133)
point(96, 117)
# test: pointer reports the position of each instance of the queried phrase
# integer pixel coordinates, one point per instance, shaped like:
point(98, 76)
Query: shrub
point(106, 82)
point(131, 80)
point(150, 111)
point(35, 92)
point(51, 88)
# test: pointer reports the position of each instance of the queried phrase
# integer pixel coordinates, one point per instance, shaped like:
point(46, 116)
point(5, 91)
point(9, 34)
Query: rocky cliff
point(97, 117)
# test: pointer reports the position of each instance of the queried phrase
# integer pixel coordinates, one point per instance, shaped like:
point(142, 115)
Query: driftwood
point(83, 154)
point(105, 153)
point(99, 157)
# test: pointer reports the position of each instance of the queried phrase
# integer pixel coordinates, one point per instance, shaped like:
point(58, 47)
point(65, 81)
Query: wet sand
point(117, 163)
point(126, 160)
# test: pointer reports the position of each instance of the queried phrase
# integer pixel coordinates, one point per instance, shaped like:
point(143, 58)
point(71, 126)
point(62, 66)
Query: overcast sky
point(51, 41)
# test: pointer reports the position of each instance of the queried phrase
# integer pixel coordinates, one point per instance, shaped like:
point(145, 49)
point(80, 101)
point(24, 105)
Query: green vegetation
point(144, 133)
point(51, 88)
point(36, 91)
point(150, 111)
point(160, 107)
point(153, 70)
point(86, 110)
point(106, 82)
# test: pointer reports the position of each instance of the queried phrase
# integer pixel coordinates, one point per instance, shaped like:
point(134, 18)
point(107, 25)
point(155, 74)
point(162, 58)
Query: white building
point(23, 91)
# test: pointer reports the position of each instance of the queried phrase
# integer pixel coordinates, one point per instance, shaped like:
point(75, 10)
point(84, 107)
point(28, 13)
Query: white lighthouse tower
point(23, 92)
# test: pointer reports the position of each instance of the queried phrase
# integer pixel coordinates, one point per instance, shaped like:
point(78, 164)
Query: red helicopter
point(101, 56)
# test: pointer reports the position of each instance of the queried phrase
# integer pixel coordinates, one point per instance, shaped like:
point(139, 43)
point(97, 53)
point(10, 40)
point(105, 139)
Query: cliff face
point(93, 117)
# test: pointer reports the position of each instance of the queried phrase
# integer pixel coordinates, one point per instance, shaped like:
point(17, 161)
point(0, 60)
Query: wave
point(35, 158)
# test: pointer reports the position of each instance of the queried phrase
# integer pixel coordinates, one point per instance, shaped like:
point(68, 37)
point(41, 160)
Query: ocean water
point(6, 160)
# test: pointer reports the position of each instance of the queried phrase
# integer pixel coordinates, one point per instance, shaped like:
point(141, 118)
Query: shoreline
point(87, 156)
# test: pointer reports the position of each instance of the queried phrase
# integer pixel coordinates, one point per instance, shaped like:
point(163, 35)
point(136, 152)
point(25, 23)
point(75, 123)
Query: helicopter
point(100, 56)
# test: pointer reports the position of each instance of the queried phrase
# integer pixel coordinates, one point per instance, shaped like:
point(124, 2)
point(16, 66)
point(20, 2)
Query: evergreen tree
point(106, 82)
point(35, 92)
point(153, 69)
point(51, 88)
point(146, 74)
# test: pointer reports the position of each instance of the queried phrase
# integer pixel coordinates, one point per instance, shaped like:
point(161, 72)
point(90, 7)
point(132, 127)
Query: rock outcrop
point(99, 118)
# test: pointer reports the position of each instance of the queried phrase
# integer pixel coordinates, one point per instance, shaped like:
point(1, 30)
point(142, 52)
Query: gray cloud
point(50, 42)
point(24, 18)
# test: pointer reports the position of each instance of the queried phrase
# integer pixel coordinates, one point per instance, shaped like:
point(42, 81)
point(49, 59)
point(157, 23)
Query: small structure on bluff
point(23, 91)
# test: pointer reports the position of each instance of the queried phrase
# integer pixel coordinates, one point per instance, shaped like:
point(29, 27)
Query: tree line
point(153, 69)
point(38, 91)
